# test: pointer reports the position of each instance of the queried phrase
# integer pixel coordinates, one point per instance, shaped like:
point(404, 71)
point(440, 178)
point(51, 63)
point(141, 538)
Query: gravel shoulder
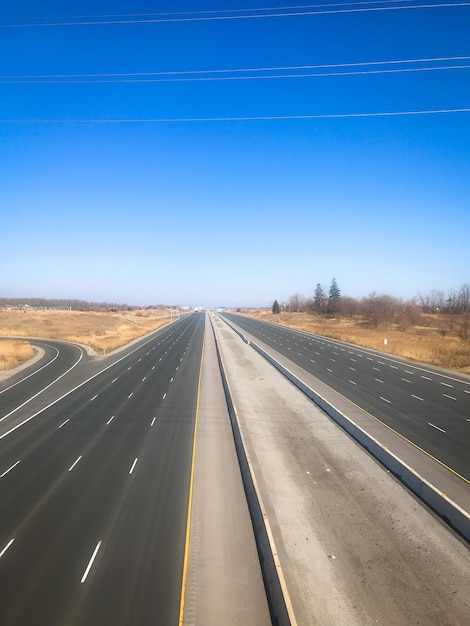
point(355, 546)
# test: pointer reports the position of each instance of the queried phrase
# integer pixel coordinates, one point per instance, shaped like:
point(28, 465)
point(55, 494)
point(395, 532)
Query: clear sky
point(237, 212)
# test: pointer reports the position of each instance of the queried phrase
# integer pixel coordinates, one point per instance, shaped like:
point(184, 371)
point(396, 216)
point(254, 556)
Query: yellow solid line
point(190, 499)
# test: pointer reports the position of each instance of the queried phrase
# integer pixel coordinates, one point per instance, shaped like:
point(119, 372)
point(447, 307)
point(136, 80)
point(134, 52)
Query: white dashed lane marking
point(9, 469)
point(74, 463)
point(90, 563)
point(436, 427)
point(6, 547)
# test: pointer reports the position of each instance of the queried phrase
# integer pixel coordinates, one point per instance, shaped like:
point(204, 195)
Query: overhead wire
point(222, 11)
point(163, 20)
point(255, 118)
point(231, 78)
point(207, 75)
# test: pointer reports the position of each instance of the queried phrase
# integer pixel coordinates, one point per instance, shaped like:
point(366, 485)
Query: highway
point(94, 490)
point(58, 359)
point(95, 484)
point(428, 406)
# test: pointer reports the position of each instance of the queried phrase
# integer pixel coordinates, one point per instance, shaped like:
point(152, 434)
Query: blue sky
point(240, 212)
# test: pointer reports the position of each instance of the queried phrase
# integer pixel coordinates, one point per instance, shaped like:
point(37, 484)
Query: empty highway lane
point(428, 406)
point(94, 493)
point(57, 360)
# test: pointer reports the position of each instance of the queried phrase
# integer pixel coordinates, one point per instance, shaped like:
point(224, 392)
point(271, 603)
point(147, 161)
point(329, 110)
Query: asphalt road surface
point(428, 406)
point(94, 491)
point(57, 360)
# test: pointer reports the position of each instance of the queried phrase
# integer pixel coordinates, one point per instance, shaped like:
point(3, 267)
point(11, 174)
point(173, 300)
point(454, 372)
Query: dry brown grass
point(436, 343)
point(100, 331)
point(13, 353)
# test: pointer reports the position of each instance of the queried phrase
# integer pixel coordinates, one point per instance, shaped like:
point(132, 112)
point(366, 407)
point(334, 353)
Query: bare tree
point(296, 303)
point(379, 310)
point(463, 299)
point(348, 306)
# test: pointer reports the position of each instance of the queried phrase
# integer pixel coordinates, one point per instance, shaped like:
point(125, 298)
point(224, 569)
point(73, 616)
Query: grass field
point(436, 341)
point(102, 332)
point(13, 353)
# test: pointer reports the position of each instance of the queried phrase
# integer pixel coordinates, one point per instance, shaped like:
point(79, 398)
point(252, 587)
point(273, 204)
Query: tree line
point(380, 310)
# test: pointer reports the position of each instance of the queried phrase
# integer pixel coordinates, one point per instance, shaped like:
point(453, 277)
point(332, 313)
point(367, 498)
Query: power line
point(254, 118)
point(111, 80)
point(233, 17)
point(176, 75)
point(222, 11)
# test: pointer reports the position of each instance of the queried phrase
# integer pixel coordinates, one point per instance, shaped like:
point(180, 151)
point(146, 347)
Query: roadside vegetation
point(100, 331)
point(13, 353)
point(432, 328)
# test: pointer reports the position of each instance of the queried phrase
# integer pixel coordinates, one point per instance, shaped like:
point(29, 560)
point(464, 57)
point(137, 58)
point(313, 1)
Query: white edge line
point(93, 556)
point(6, 547)
point(44, 389)
point(70, 391)
point(35, 371)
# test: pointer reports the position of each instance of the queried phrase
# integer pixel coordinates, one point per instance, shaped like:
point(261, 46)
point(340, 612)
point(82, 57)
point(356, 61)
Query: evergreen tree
point(334, 293)
point(334, 296)
point(319, 299)
point(276, 308)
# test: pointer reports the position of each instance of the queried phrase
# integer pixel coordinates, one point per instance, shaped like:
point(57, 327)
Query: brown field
point(13, 353)
point(102, 332)
point(437, 341)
